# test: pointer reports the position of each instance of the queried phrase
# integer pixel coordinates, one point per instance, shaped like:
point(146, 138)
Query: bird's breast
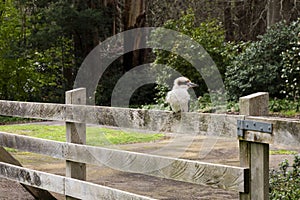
point(178, 95)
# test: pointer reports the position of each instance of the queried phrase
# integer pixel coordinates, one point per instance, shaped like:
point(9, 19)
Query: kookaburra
point(178, 97)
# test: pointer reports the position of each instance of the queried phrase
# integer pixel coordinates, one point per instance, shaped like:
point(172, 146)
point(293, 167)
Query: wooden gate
point(250, 179)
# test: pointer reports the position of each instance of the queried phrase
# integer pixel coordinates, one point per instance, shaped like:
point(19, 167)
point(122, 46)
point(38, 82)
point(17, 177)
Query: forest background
point(254, 43)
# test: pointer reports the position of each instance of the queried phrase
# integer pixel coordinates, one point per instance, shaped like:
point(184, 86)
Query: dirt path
point(225, 151)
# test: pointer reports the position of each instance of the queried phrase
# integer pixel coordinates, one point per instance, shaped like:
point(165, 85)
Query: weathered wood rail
point(285, 131)
point(227, 177)
point(64, 185)
point(240, 179)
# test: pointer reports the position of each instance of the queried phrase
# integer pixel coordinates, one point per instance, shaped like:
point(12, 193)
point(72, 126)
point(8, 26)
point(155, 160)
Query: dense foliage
point(269, 64)
point(29, 70)
point(284, 183)
point(14, 67)
point(290, 72)
point(42, 45)
point(284, 107)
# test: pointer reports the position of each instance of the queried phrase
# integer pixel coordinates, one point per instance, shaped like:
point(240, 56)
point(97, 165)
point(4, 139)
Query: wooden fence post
point(255, 155)
point(76, 133)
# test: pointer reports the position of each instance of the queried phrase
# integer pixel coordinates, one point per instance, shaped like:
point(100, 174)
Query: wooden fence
point(250, 179)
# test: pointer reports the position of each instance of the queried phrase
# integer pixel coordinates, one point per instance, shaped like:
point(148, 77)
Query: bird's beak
point(190, 84)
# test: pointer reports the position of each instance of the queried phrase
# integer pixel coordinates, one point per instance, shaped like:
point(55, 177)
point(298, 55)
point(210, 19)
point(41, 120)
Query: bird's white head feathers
point(183, 82)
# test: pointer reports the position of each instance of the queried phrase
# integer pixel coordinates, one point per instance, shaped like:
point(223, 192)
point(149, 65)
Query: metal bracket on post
point(246, 125)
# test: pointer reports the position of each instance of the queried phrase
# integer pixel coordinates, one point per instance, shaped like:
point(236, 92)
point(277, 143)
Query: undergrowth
point(285, 182)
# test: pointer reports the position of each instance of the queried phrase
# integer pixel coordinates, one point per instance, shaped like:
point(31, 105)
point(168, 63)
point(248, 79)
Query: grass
point(40, 131)
point(283, 152)
point(95, 136)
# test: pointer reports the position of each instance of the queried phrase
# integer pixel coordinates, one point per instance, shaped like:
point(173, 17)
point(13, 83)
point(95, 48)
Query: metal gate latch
point(246, 125)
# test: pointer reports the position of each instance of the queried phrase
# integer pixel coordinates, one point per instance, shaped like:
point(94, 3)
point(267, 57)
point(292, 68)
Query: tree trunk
point(273, 12)
point(250, 17)
point(228, 21)
point(134, 17)
point(258, 24)
point(279, 10)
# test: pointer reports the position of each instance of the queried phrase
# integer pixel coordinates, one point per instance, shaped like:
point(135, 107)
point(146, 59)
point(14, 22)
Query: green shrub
point(278, 105)
point(291, 70)
point(260, 66)
point(284, 183)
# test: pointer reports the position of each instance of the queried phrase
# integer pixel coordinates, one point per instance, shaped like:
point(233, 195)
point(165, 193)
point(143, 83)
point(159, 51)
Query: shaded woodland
point(43, 43)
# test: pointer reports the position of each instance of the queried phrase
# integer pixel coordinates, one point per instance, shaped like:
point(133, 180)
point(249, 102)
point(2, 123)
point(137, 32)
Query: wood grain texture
point(253, 152)
point(76, 133)
point(33, 110)
point(221, 176)
point(285, 132)
point(63, 185)
point(245, 161)
point(154, 120)
point(256, 104)
point(86, 190)
point(259, 171)
point(33, 178)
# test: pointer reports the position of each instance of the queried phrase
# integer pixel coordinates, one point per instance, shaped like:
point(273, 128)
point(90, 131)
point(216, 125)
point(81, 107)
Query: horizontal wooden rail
point(64, 185)
point(155, 120)
point(222, 176)
point(285, 131)
point(6, 157)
